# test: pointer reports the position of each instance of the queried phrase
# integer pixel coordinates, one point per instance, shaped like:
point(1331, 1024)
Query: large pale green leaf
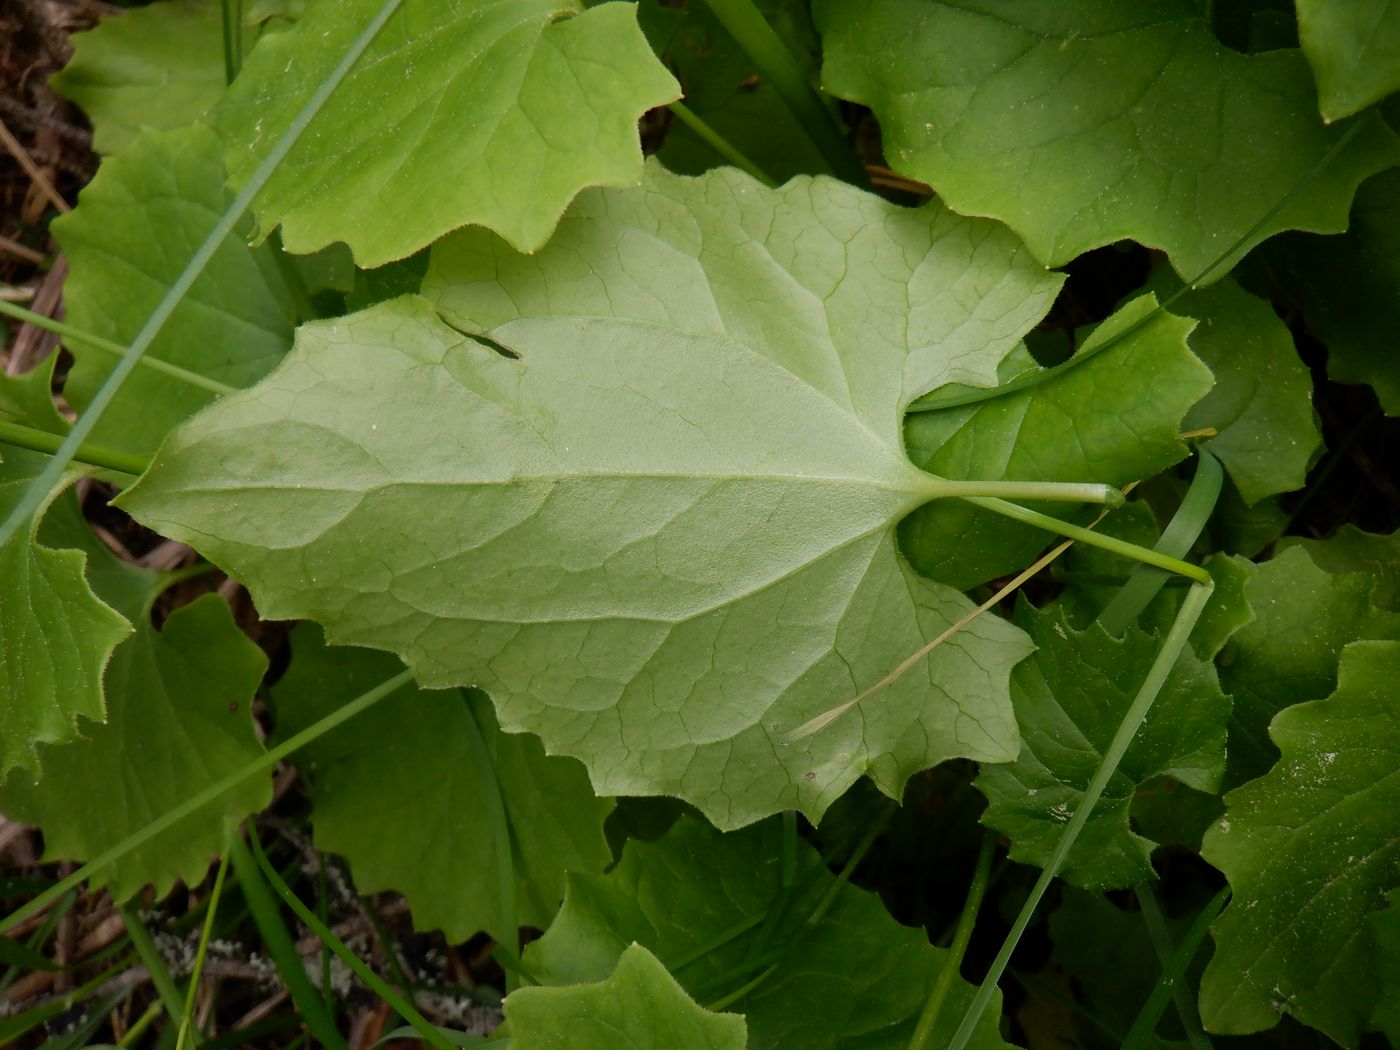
point(853, 978)
point(1084, 122)
point(1058, 430)
point(1354, 49)
point(1261, 404)
point(639, 1006)
point(724, 87)
point(56, 636)
point(159, 66)
point(490, 112)
point(417, 753)
point(659, 532)
point(1310, 850)
point(1288, 654)
point(1070, 698)
point(178, 705)
point(1348, 287)
point(136, 225)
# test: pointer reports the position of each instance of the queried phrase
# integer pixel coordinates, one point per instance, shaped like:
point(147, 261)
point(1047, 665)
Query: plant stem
point(96, 342)
point(233, 38)
point(42, 441)
point(943, 983)
point(1176, 541)
point(404, 1008)
point(720, 144)
point(742, 20)
point(279, 942)
point(188, 1013)
point(194, 803)
point(170, 998)
point(39, 488)
point(500, 832)
point(1052, 491)
point(1092, 538)
point(1169, 985)
point(1175, 641)
point(1161, 938)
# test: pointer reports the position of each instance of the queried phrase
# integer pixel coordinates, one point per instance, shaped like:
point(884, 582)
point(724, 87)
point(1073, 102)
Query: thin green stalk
point(1089, 536)
point(733, 997)
point(233, 38)
point(280, 946)
point(718, 941)
point(1052, 491)
point(187, 1014)
point(150, 956)
point(931, 402)
point(323, 913)
point(40, 487)
point(876, 829)
point(1175, 641)
point(500, 831)
point(1176, 541)
point(40, 936)
point(787, 881)
point(1170, 982)
point(404, 1008)
point(943, 983)
point(139, 1026)
point(720, 144)
point(92, 455)
point(743, 21)
point(1161, 937)
point(96, 342)
point(261, 764)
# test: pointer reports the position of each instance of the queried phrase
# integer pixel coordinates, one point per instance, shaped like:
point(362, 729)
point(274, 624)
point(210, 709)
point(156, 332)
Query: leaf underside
point(661, 535)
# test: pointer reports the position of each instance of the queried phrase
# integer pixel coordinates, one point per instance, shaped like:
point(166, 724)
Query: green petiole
point(96, 342)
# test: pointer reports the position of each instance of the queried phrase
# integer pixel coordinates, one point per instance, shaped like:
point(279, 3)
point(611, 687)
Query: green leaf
point(1085, 122)
point(1151, 379)
point(1348, 287)
point(479, 113)
point(1310, 850)
point(28, 398)
point(1261, 404)
point(661, 536)
point(413, 753)
point(1070, 698)
point(1352, 550)
point(1386, 926)
point(178, 718)
point(723, 86)
point(1288, 654)
point(854, 978)
point(638, 1007)
point(135, 226)
point(56, 636)
point(1354, 50)
point(159, 66)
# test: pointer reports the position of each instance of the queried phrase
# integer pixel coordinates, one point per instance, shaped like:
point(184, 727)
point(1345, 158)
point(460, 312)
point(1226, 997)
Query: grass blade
point(280, 944)
point(1172, 646)
point(213, 907)
point(405, 1009)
